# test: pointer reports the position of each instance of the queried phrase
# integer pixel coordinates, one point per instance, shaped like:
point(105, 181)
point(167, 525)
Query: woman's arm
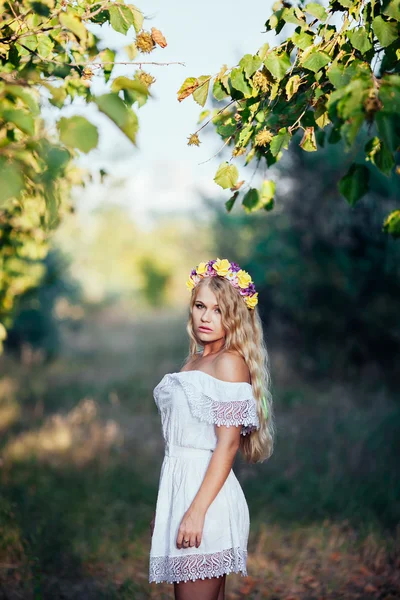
point(230, 368)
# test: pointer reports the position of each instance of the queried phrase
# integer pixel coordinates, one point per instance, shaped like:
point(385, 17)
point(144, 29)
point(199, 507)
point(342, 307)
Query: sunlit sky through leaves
point(163, 173)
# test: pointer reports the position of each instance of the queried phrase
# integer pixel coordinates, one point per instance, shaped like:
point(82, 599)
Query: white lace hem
point(189, 567)
point(222, 412)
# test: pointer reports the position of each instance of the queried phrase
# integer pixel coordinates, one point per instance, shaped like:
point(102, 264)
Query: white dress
point(191, 404)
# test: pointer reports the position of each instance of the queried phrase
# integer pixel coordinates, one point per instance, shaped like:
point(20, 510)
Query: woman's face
point(206, 313)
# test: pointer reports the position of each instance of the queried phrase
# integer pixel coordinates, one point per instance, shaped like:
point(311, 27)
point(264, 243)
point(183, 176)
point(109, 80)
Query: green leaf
point(107, 56)
point(245, 135)
point(250, 155)
point(250, 64)
point(251, 200)
point(201, 93)
point(292, 86)
point(78, 132)
point(392, 9)
point(392, 224)
point(56, 159)
point(227, 175)
point(227, 128)
point(239, 82)
point(321, 116)
point(112, 106)
point(275, 21)
point(315, 61)
point(23, 120)
point(262, 52)
point(74, 24)
point(187, 88)
point(124, 83)
point(346, 3)
point(121, 18)
point(25, 96)
point(30, 42)
point(41, 8)
point(267, 193)
point(229, 203)
point(280, 141)
point(137, 16)
point(131, 50)
point(58, 95)
point(302, 40)
point(378, 153)
point(308, 142)
point(255, 200)
point(359, 39)
point(385, 32)
point(389, 93)
point(349, 102)
point(45, 45)
point(316, 10)
point(218, 90)
point(11, 180)
point(277, 64)
point(389, 129)
point(294, 15)
point(340, 75)
point(203, 115)
point(355, 183)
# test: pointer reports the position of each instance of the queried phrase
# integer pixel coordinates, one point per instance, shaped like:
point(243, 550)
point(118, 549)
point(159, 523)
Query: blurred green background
point(81, 444)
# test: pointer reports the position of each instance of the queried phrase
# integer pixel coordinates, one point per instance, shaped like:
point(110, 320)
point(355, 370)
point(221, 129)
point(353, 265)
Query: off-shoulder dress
point(191, 404)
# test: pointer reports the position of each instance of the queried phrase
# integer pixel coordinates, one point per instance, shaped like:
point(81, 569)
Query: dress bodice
point(192, 402)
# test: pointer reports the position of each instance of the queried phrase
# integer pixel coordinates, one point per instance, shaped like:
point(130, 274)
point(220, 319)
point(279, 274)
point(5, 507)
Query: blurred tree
point(143, 266)
point(155, 281)
point(329, 282)
point(36, 319)
point(329, 81)
point(49, 55)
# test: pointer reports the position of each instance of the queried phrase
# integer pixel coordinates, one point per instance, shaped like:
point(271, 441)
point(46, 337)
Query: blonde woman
point(219, 403)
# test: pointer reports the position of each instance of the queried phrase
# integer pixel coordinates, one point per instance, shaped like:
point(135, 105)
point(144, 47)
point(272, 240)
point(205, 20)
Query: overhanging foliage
point(327, 80)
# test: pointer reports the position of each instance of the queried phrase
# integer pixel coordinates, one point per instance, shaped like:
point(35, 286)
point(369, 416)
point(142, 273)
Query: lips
point(205, 329)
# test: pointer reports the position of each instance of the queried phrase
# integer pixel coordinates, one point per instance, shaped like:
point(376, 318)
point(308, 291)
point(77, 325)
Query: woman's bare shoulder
point(191, 361)
point(231, 366)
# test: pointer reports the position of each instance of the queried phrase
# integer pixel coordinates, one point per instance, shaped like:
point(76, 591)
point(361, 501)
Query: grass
point(81, 450)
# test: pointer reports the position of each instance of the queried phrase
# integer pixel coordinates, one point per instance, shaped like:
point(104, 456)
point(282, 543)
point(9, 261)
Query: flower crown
point(240, 279)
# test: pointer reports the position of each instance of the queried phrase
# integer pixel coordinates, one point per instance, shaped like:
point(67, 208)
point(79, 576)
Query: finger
point(179, 540)
point(198, 540)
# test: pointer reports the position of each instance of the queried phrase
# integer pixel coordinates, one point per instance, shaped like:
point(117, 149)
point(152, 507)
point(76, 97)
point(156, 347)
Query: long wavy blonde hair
point(244, 333)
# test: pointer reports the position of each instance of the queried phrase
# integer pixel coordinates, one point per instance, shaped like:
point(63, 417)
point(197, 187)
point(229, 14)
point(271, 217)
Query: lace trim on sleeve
point(222, 412)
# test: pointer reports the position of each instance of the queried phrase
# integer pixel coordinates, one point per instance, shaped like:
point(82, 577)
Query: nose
point(204, 317)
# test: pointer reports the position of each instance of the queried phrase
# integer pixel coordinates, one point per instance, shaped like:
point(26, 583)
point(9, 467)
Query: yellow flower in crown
point(190, 284)
point(251, 301)
point(244, 279)
point(222, 266)
point(202, 268)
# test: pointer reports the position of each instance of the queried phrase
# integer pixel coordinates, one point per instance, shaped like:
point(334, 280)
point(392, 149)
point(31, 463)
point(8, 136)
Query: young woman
point(219, 403)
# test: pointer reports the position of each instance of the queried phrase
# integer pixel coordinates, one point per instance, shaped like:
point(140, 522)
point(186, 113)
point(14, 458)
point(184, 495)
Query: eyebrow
point(204, 302)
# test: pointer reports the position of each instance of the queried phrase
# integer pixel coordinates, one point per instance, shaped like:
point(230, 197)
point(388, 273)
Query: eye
point(218, 310)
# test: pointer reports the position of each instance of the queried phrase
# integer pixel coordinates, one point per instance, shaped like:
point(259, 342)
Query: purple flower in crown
point(252, 288)
point(210, 270)
point(193, 271)
point(235, 267)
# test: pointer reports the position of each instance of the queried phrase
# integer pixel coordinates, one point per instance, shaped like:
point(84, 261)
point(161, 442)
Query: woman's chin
point(205, 335)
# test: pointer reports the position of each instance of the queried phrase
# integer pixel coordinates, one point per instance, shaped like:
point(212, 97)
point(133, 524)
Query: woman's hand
point(191, 528)
point(152, 522)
